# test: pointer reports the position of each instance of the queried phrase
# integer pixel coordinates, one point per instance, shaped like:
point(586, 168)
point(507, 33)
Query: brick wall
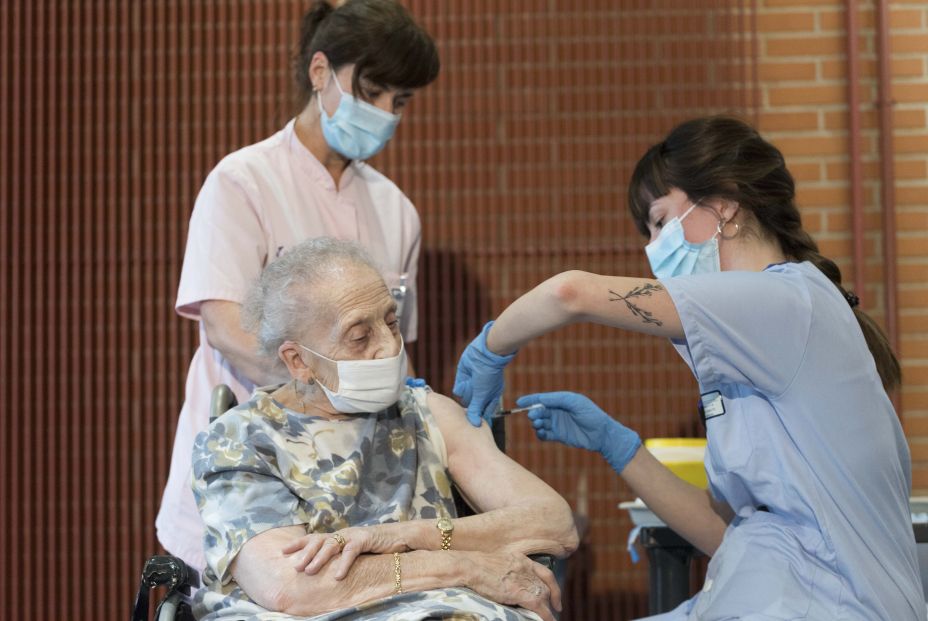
point(803, 110)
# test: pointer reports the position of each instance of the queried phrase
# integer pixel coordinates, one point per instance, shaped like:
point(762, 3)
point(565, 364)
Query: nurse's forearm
point(636, 304)
point(683, 507)
point(222, 321)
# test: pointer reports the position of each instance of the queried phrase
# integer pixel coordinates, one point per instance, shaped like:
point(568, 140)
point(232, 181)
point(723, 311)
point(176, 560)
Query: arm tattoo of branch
point(644, 290)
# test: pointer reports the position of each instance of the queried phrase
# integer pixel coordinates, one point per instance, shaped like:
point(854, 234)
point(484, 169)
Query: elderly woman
point(332, 492)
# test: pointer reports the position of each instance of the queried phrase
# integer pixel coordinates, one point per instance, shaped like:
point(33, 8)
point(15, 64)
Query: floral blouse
point(262, 466)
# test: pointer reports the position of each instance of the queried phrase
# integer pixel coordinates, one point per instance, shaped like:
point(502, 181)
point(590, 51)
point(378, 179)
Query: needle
point(536, 406)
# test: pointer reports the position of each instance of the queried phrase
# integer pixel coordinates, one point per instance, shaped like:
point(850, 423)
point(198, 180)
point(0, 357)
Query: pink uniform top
point(254, 205)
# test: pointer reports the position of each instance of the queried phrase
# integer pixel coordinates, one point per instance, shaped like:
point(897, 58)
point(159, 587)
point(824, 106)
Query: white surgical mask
point(358, 129)
point(671, 255)
point(366, 386)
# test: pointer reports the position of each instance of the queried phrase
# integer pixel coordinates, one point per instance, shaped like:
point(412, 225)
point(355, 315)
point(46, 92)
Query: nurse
point(807, 513)
point(356, 66)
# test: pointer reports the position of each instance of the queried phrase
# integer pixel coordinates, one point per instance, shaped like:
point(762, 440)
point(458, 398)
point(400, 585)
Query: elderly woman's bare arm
point(268, 577)
point(518, 511)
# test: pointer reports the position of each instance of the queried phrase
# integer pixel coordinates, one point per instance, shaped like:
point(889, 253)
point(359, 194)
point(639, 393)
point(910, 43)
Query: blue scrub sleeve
point(744, 327)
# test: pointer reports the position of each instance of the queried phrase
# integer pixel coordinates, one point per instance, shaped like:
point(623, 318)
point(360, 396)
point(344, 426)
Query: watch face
point(444, 524)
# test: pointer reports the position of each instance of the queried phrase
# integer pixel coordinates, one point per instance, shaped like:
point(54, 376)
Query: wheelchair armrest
point(169, 571)
point(163, 571)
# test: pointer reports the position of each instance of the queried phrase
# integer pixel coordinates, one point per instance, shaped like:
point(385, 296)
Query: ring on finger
point(340, 540)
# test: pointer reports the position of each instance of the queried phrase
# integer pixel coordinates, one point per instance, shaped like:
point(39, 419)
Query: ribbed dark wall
point(111, 115)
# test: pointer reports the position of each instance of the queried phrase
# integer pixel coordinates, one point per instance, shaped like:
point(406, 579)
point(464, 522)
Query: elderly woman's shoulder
point(242, 437)
point(261, 411)
point(424, 398)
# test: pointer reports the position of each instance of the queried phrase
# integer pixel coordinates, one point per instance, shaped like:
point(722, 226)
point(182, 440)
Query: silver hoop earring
point(721, 227)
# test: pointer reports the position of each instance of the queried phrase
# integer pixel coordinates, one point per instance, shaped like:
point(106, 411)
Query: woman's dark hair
point(385, 44)
point(725, 158)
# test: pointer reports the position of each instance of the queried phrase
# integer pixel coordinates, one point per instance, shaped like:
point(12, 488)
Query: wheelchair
point(170, 572)
point(180, 580)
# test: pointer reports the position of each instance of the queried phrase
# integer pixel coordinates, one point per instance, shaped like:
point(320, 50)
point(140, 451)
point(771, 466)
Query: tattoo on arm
point(644, 290)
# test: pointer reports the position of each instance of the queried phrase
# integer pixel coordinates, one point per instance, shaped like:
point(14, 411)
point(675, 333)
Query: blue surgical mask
point(358, 130)
point(671, 255)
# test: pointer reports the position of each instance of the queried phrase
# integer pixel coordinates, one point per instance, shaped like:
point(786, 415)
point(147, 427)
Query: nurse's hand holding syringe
point(575, 420)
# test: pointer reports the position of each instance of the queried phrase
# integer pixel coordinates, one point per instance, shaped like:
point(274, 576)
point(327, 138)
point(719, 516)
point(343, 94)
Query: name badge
point(712, 404)
point(399, 294)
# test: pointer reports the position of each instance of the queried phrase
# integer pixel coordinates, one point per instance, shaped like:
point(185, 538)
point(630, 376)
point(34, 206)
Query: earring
point(721, 228)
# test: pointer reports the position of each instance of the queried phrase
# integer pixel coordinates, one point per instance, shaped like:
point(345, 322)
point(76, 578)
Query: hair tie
point(851, 298)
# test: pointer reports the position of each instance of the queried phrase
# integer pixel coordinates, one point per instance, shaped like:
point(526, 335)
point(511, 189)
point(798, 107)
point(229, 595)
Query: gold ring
point(339, 540)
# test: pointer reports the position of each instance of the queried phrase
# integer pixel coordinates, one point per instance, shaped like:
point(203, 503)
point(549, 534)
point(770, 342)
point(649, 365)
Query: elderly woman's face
point(357, 317)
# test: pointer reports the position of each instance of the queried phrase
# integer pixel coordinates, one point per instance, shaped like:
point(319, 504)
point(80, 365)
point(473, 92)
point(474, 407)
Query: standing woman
point(356, 66)
point(807, 514)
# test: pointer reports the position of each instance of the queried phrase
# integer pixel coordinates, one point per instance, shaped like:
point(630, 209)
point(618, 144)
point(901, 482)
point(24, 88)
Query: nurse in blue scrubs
point(807, 515)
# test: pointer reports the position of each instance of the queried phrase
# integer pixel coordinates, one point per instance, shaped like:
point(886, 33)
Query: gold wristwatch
point(445, 527)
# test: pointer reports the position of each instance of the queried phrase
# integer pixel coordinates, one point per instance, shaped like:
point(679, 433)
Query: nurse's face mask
point(366, 385)
point(358, 130)
point(671, 255)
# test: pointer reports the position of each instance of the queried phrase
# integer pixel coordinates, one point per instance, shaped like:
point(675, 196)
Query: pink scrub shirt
point(255, 204)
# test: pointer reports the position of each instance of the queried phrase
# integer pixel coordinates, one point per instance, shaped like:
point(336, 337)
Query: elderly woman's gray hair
point(276, 306)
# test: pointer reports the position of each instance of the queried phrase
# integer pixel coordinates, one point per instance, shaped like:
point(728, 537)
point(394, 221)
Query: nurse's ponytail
point(309, 26)
point(798, 244)
point(724, 157)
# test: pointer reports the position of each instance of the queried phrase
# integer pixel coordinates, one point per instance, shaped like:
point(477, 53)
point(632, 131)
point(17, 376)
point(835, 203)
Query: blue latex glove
point(415, 382)
point(576, 421)
point(479, 379)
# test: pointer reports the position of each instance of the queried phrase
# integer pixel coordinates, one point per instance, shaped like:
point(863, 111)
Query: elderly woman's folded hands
point(311, 552)
point(506, 577)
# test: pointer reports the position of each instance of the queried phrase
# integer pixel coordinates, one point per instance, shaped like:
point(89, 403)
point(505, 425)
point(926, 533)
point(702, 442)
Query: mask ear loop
point(319, 91)
point(687, 212)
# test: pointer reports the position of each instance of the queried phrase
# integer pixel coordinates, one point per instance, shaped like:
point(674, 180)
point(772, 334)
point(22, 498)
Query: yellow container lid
point(683, 456)
point(656, 442)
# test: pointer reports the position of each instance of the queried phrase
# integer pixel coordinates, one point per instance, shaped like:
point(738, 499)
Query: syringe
point(500, 413)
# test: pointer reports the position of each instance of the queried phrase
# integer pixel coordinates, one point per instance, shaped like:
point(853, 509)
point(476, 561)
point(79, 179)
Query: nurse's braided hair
point(379, 36)
point(724, 157)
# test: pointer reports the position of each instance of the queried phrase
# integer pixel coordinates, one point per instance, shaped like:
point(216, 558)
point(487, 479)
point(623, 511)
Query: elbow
point(210, 327)
point(282, 597)
point(564, 532)
point(213, 332)
point(292, 595)
point(570, 541)
point(570, 537)
point(564, 292)
point(286, 600)
point(281, 600)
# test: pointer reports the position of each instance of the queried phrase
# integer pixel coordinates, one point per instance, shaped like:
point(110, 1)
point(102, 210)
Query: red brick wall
point(803, 71)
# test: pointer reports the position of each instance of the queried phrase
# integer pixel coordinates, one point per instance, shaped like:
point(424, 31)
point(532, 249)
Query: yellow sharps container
point(683, 456)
